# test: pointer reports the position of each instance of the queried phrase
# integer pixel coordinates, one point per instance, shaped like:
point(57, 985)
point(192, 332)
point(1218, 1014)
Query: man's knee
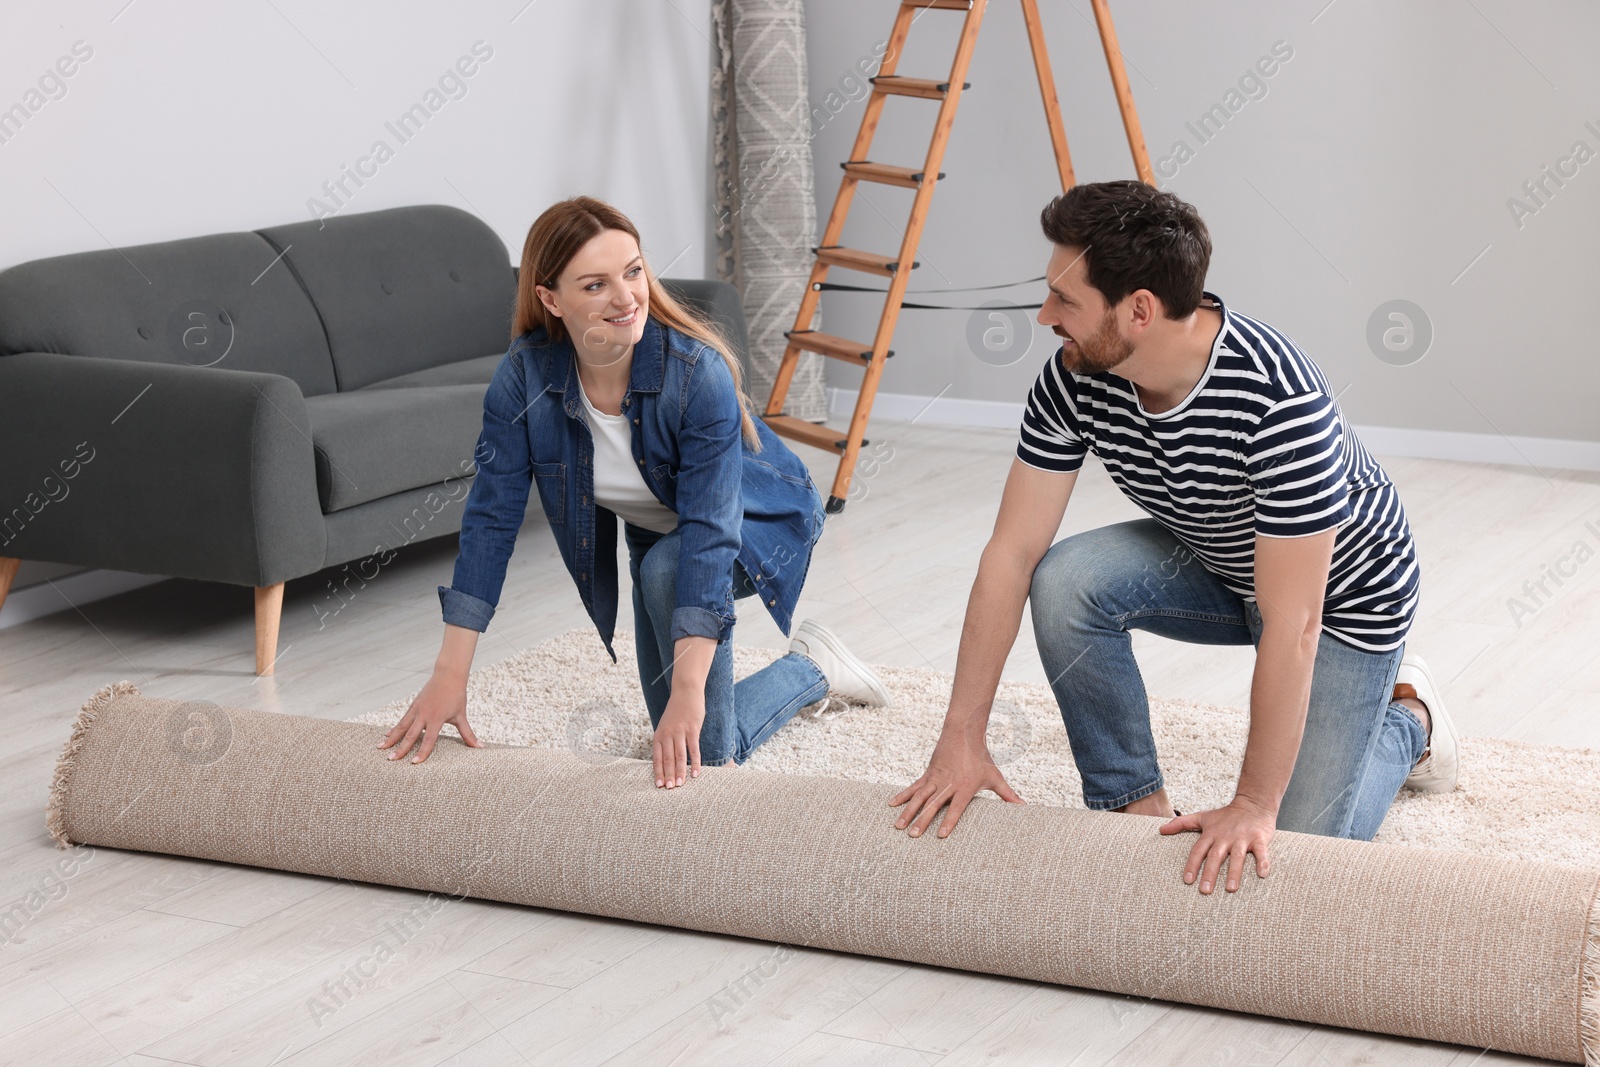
point(1111, 570)
point(1068, 578)
point(1056, 571)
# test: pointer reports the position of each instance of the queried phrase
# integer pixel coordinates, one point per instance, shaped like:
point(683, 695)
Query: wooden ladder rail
point(858, 168)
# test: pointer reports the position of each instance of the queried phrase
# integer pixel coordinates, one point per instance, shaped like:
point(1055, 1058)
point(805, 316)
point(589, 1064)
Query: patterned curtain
point(766, 215)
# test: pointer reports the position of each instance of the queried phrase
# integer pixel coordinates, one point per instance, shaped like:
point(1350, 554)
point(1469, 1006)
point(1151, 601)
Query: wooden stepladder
point(897, 268)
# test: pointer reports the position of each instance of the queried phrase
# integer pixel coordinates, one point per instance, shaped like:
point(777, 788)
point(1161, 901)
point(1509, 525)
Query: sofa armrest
point(192, 472)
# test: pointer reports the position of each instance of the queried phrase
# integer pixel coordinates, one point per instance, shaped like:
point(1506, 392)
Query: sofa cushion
point(371, 443)
point(402, 290)
point(219, 300)
point(478, 371)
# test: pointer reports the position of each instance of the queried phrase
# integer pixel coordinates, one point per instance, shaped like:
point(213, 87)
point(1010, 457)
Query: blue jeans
point(1091, 589)
point(739, 716)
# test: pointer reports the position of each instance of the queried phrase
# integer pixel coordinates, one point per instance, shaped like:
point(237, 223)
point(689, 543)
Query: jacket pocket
point(663, 474)
point(551, 478)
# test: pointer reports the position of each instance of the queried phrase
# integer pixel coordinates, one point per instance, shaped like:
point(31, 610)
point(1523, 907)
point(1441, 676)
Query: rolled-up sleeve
point(709, 501)
point(496, 503)
point(463, 609)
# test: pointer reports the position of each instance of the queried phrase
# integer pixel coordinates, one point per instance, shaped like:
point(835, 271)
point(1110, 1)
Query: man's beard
point(1099, 352)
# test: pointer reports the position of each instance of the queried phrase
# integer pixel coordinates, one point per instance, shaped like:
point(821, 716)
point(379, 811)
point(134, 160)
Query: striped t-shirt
point(1257, 447)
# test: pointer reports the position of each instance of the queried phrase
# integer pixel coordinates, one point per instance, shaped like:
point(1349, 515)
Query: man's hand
point(1030, 514)
point(1225, 834)
point(675, 750)
point(955, 773)
point(442, 700)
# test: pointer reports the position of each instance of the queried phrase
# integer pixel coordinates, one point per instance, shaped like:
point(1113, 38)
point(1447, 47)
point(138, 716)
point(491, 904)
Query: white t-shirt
point(619, 484)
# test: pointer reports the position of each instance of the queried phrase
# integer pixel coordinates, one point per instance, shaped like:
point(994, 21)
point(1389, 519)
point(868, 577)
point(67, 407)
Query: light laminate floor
point(149, 960)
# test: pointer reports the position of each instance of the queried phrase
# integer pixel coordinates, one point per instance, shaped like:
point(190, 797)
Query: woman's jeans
point(738, 716)
point(1091, 589)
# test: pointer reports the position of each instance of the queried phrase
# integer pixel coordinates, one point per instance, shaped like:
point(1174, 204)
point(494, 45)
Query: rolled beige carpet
point(1417, 942)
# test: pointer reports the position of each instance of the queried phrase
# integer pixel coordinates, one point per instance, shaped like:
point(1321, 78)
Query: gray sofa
point(255, 407)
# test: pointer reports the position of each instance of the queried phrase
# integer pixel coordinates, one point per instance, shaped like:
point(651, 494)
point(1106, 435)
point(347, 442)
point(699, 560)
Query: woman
point(615, 401)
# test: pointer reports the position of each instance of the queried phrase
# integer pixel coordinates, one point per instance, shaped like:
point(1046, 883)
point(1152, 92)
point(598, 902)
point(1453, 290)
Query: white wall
point(190, 118)
point(1377, 166)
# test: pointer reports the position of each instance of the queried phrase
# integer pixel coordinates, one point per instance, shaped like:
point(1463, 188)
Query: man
point(1269, 524)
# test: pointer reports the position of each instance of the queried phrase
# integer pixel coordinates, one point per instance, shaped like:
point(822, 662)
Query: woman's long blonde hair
point(555, 237)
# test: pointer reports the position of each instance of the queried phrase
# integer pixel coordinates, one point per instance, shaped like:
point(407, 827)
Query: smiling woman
point(617, 402)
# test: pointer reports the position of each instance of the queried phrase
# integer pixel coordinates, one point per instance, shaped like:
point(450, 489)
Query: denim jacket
point(759, 508)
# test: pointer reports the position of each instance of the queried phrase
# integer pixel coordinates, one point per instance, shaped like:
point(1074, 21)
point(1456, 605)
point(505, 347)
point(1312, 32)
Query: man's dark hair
point(1134, 236)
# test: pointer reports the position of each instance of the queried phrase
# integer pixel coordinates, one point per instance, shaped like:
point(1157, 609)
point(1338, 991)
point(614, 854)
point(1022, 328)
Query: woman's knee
point(658, 571)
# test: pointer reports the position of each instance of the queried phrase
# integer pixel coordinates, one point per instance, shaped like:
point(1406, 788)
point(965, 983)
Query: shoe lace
point(824, 710)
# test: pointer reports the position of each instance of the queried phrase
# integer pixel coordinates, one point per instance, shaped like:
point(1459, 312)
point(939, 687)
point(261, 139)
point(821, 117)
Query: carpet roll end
point(55, 814)
point(1589, 1001)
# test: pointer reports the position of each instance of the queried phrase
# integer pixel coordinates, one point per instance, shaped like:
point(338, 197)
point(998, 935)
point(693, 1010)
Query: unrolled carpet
point(1515, 801)
point(1446, 946)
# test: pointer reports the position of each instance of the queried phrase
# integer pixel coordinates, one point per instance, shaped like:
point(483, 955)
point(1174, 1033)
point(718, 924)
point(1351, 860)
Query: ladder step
point(855, 259)
point(864, 170)
point(927, 88)
point(943, 5)
point(808, 432)
point(826, 344)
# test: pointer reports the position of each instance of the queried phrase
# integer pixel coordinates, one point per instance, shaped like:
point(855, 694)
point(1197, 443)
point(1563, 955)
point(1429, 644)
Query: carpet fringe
point(55, 813)
point(1589, 990)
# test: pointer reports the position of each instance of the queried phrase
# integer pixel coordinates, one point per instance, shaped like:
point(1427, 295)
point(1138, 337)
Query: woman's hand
point(1227, 833)
point(675, 750)
point(442, 700)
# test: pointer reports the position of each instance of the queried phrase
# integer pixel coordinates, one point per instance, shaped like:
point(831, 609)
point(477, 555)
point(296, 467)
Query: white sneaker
point(1440, 765)
point(846, 674)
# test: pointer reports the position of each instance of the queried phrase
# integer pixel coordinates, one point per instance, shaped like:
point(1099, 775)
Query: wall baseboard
point(84, 587)
point(1541, 453)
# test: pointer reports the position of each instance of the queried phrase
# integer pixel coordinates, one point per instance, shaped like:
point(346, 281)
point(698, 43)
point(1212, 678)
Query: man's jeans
point(738, 716)
point(1091, 589)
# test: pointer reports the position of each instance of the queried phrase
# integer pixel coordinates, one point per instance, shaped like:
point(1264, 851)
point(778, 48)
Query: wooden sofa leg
point(8, 574)
point(269, 609)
